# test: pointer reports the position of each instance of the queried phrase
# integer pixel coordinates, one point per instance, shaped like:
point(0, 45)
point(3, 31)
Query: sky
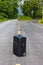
point(21, 2)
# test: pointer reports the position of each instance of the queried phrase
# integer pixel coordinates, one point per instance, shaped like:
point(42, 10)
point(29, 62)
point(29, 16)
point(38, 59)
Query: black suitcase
point(19, 45)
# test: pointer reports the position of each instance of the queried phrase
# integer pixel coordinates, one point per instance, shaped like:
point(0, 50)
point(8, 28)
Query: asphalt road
point(34, 45)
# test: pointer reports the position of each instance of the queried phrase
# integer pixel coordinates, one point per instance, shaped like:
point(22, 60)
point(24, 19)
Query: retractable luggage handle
point(19, 28)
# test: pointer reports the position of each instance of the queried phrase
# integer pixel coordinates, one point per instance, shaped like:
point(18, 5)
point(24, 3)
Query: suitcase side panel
point(15, 44)
point(24, 46)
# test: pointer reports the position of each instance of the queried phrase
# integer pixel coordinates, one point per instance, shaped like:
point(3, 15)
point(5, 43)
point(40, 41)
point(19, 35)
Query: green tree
point(8, 8)
point(32, 8)
point(38, 13)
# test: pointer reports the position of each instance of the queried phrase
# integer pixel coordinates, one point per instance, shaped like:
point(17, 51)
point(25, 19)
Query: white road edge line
point(37, 25)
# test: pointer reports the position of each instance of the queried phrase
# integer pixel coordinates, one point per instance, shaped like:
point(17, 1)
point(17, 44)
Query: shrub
point(40, 21)
point(21, 17)
point(3, 15)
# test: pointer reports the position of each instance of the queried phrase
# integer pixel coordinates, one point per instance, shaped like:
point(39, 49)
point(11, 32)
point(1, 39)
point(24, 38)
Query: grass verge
point(40, 21)
point(2, 20)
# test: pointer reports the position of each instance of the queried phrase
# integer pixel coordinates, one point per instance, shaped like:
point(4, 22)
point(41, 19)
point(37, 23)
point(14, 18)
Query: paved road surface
point(34, 45)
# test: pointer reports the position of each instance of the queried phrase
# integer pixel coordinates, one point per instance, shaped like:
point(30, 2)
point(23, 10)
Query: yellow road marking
point(18, 64)
point(19, 28)
point(18, 32)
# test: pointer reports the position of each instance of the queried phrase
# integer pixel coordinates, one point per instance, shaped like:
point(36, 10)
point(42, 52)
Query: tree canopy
point(8, 8)
point(32, 8)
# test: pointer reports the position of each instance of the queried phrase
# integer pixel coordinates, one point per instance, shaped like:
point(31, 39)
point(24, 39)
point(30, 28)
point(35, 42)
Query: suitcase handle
point(19, 28)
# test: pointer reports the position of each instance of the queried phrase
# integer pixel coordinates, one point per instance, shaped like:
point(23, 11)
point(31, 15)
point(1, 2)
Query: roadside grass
point(40, 21)
point(21, 17)
point(2, 20)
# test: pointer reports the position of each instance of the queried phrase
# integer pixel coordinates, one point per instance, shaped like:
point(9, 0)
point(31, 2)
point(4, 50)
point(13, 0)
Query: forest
point(30, 8)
